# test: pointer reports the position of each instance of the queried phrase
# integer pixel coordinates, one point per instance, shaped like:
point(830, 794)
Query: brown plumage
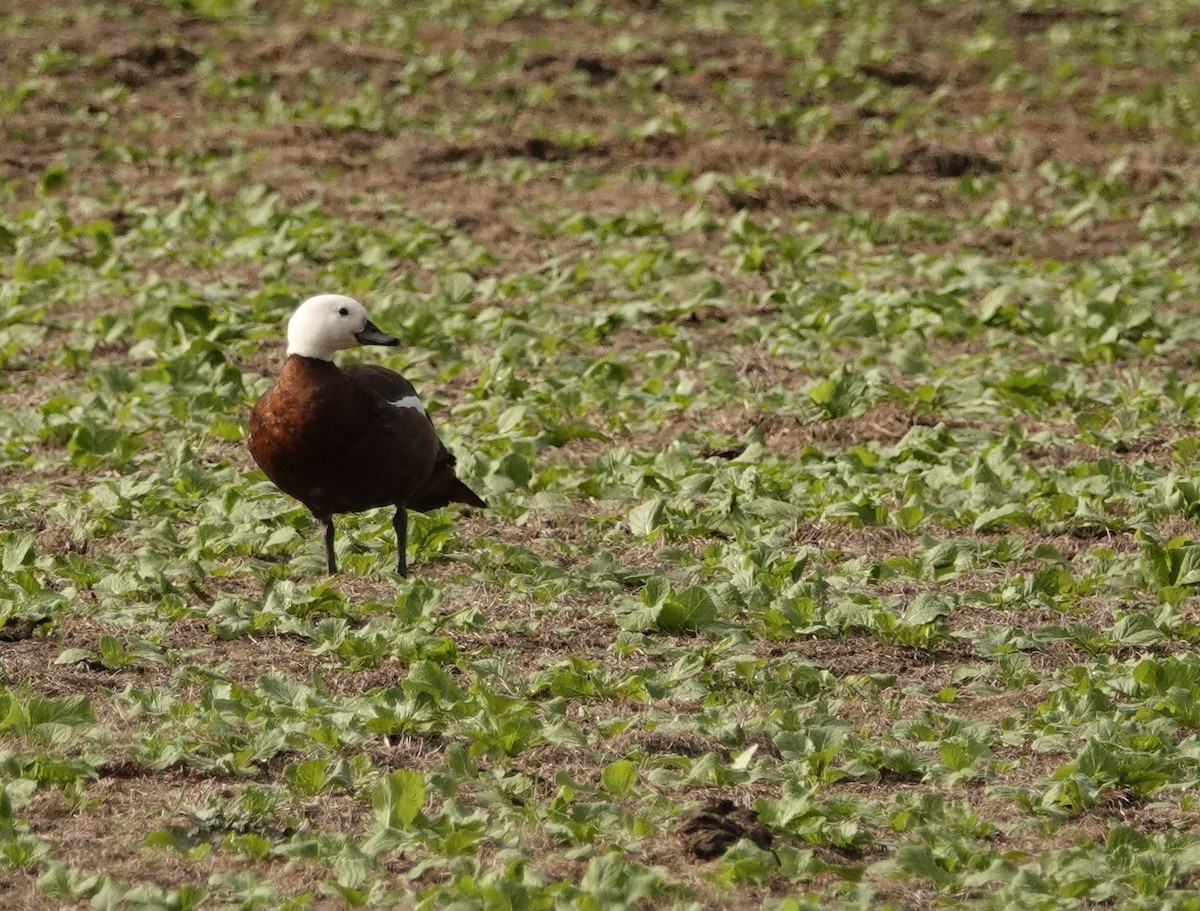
point(348, 439)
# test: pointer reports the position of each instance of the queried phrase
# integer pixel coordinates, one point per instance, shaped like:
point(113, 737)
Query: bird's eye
point(342, 311)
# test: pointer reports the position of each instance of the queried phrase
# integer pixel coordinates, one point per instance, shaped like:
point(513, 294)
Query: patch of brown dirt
point(32, 660)
point(790, 434)
point(121, 811)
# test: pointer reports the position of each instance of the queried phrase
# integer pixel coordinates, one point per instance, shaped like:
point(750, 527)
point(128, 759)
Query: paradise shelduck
point(354, 438)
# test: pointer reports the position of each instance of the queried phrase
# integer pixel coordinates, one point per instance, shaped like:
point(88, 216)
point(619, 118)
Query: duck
point(348, 439)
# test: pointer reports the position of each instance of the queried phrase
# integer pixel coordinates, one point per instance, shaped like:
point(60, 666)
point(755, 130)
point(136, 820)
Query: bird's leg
point(330, 559)
point(400, 523)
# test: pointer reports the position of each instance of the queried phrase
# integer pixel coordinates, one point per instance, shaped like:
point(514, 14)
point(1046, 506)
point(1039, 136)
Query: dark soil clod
point(596, 69)
point(711, 829)
point(946, 162)
point(741, 200)
point(17, 629)
point(161, 59)
point(892, 74)
point(543, 149)
point(951, 163)
point(723, 452)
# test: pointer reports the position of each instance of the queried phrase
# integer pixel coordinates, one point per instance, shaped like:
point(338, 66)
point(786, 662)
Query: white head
point(330, 322)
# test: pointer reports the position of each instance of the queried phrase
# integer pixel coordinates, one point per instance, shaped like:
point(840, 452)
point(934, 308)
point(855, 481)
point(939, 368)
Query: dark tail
point(443, 489)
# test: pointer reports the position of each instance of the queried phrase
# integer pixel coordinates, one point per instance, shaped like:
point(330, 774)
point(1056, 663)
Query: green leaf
point(458, 287)
point(746, 863)
point(618, 778)
point(308, 778)
point(646, 517)
point(75, 656)
point(741, 762)
point(112, 652)
point(427, 677)
point(398, 798)
point(1006, 516)
point(72, 711)
point(18, 550)
point(53, 178)
point(928, 608)
point(689, 611)
point(823, 392)
point(917, 861)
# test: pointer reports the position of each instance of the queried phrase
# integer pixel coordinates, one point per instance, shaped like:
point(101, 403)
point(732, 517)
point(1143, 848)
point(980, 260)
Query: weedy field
point(831, 370)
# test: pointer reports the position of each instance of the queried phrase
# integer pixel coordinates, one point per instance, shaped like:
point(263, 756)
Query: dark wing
point(443, 486)
point(388, 383)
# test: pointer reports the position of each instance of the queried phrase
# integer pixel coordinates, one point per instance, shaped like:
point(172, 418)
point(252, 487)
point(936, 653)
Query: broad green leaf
point(308, 778)
point(1006, 516)
point(646, 517)
point(928, 608)
point(75, 656)
point(688, 611)
point(619, 777)
point(18, 550)
point(398, 798)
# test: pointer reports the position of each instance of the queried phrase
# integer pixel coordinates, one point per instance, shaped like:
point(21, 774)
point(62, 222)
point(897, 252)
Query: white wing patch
point(409, 401)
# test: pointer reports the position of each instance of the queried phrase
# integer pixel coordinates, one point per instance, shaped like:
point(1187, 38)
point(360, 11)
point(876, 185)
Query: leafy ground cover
point(830, 369)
